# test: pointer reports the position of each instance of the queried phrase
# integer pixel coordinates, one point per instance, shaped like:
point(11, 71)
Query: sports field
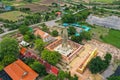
point(12, 16)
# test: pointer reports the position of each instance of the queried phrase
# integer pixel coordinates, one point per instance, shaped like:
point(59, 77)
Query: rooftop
point(18, 70)
point(41, 33)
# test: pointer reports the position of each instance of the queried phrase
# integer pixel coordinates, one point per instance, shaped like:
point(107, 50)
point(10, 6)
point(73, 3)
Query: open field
point(36, 7)
point(98, 31)
point(12, 16)
point(18, 2)
point(113, 38)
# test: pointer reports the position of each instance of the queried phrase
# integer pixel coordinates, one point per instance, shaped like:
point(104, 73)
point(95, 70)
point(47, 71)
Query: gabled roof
point(41, 33)
point(54, 70)
point(23, 50)
point(18, 70)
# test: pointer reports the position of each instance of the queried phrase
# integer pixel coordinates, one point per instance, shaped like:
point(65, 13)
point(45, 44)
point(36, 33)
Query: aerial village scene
point(59, 39)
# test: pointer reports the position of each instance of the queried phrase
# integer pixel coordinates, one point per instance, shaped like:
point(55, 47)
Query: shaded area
point(4, 76)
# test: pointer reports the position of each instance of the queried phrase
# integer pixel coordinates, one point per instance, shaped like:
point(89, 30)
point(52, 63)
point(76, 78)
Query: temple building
point(76, 56)
point(67, 48)
point(43, 35)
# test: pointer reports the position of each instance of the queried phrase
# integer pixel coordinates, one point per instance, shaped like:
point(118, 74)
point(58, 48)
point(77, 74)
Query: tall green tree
point(54, 33)
point(85, 35)
point(77, 39)
point(9, 50)
point(71, 30)
point(51, 56)
point(39, 45)
point(97, 64)
point(23, 29)
point(61, 75)
point(39, 68)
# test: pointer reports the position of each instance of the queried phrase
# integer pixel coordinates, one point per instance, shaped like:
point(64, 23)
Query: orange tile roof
point(18, 70)
point(23, 50)
point(41, 33)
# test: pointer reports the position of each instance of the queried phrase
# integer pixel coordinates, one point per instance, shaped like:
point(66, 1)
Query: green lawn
point(12, 16)
point(113, 38)
point(103, 1)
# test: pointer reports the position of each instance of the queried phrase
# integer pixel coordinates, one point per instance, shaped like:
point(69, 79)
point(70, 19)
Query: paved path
point(7, 33)
point(49, 23)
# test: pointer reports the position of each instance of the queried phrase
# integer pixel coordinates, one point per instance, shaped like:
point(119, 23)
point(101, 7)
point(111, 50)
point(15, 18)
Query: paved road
point(7, 33)
point(50, 23)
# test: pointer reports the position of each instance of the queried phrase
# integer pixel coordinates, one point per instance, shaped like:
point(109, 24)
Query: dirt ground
point(36, 7)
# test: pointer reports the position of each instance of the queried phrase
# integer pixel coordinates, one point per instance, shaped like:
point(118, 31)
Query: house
point(24, 43)
point(43, 35)
point(18, 70)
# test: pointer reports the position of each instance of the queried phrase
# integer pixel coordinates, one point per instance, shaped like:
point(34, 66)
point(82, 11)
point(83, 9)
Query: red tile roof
point(18, 70)
point(41, 33)
point(23, 50)
point(54, 70)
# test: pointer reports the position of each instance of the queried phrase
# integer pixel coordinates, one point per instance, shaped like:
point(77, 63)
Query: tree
point(71, 30)
point(50, 77)
point(61, 75)
point(68, 18)
point(108, 57)
point(85, 35)
point(26, 38)
point(51, 57)
point(77, 39)
point(39, 68)
point(97, 64)
point(54, 33)
point(23, 29)
point(9, 50)
point(39, 45)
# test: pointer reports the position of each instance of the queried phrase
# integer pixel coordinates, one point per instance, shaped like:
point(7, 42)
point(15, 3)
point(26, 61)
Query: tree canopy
point(71, 30)
point(51, 57)
point(23, 29)
point(97, 64)
point(39, 68)
point(54, 33)
point(9, 50)
point(39, 45)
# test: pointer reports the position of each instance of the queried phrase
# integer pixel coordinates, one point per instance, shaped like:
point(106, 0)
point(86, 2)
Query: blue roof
point(8, 8)
point(77, 34)
point(65, 24)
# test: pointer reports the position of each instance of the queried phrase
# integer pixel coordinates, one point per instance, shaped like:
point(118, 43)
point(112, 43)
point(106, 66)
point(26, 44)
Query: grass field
point(98, 31)
point(113, 38)
point(103, 1)
point(12, 16)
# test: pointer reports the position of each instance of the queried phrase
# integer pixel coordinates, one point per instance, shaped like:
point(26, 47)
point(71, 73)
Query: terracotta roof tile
point(18, 70)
